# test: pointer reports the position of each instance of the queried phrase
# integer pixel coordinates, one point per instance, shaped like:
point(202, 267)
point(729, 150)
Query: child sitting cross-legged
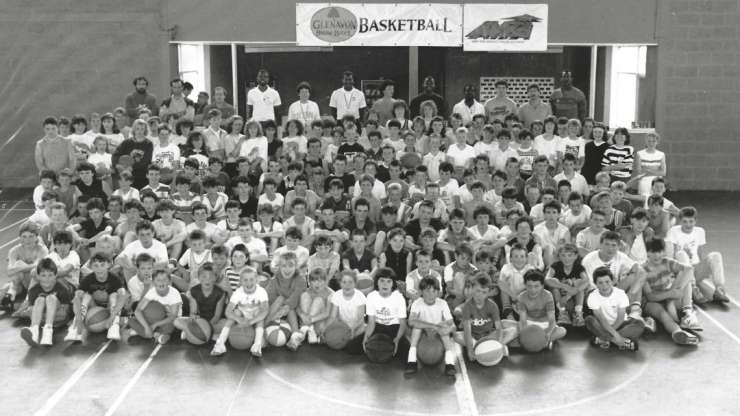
point(568, 282)
point(536, 306)
point(248, 306)
point(314, 307)
point(50, 302)
point(609, 323)
point(163, 293)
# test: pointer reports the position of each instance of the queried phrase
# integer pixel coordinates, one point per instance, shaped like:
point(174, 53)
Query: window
point(192, 66)
point(627, 69)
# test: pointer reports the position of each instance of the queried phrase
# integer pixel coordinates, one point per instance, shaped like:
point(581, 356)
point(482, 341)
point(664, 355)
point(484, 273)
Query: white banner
point(359, 24)
point(505, 27)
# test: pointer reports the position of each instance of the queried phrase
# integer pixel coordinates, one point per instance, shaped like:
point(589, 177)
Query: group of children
point(462, 233)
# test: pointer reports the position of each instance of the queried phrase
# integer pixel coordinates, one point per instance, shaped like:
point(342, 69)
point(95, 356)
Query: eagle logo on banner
point(517, 27)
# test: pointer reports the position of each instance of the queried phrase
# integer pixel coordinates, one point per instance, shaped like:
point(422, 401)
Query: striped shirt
point(183, 205)
point(614, 155)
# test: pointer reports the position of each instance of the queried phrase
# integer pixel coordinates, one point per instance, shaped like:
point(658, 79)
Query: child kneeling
point(248, 306)
point(50, 302)
point(163, 293)
point(432, 315)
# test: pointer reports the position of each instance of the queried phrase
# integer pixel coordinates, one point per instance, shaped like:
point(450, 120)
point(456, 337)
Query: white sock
point(48, 326)
point(450, 357)
point(579, 308)
point(258, 334)
point(116, 320)
point(223, 336)
point(304, 329)
point(412, 355)
point(12, 292)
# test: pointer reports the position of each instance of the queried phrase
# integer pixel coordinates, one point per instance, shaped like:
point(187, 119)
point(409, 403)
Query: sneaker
point(218, 349)
point(690, 321)
point(720, 296)
point(697, 296)
point(450, 370)
point(650, 324)
point(629, 345)
point(515, 343)
point(549, 345)
point(684, 338)
point(183, 336)
point(604, 344)
point(162, 338)
point(563, 319)
point(506, 351)
point(6, 304)
point(23, 311)
point(295, 341)
point(46, 335)
point(114, 332)
point(312, 337)
point(411, 368)
point(72, 334)
point(578, 320)
point(256, 350)
point(31, 335)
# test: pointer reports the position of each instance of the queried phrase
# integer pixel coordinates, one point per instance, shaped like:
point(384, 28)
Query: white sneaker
point(312, 337)
point(218, 349)
point(650, 324)
point(46, 335)
point(31, 335)
point(296, 339)
point(256, 349)
point(114, 332)
point(183, 336)
point(690, 321)
point(72, 334)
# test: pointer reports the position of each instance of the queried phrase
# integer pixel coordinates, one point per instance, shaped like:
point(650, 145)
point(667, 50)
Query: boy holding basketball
point(162, 295)
point(431, 315)
point(248, 306)
point(50, 302)
point(314, 307)
point(536, 307)
point(205, 300)
point(99, 288)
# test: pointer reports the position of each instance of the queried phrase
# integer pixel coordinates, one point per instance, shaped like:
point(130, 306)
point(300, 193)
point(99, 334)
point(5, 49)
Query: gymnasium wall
point(65, 56)
point(699, 92)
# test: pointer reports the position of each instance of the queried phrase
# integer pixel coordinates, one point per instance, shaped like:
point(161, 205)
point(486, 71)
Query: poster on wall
point(505, 27)
point(363, 24)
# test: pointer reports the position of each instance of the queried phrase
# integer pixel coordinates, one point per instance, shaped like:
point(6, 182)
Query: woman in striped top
point(649, 164)
point(619, 158)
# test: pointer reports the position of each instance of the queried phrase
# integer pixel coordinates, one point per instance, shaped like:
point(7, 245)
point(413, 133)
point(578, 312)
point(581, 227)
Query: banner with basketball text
point(505, 27)
point(362, 24)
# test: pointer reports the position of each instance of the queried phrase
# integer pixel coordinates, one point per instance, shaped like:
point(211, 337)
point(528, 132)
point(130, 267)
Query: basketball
point(379, 348)
point(430, 350)
point(241, 337)
point(337, 335)
point(489, 352)
point(533, 338)
point(154, 312)
point(277, 335)
point(96, 318)
point(102, 172)
point(199, 331)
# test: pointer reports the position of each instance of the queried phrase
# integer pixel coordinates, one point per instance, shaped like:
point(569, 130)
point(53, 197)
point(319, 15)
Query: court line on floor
point(12, 137)
point(52, 401)
point(7, 227)
point(463, 388)
point(320, 396)
point(8, 243)
point(732, 300)
point(238, 387)
point(9, 211)
point(131, 383)
point(719, 325)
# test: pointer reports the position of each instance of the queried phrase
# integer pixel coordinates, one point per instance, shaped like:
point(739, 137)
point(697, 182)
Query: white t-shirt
point(386, 310)
point(259, 143)
point(114, 139)
point(498, 158)
point(193, 260)
point(132, 193)
point(378, 190)
point(552, 238)
point(569, 219)
point(72, 259)
point(166, 156)
point(483, 148)
point(609, 306)
point(299, 142)
point(433, 314)
point(248, 303)
point(398, 145)
point(447, 191)
point(575, 147)
point(347, 102)
point(171, 298)
point(98, 159)
point(348, 308)
point(690, 242)
point(549, 148)
point(305, 113)
point(157, 250)
point(460, 157)
point(276, 203)
point(263, 103)
point(513, 278)
point(619, 265)
point(210, 229)
point(136, 288)
point(577, 183)
point(255, 246)
point(432, 162)
point(466, 112)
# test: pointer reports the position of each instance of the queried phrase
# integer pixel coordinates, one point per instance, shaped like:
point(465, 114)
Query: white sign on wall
point(356, 24)
point(505, 27)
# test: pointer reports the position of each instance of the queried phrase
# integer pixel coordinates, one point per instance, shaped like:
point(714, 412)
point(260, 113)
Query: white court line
point(62, 391)
point(463, 389)
point(732, 300)
point(9, 211)
point(8, 243)
point(133, 381)
point(719, 325)
point(13, 136)
point(238, 387)
point(7, 227)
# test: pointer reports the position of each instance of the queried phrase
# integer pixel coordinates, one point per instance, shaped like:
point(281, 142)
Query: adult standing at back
point(568, 101)
point(177, 104)
point(535, 108)
point(140, 99)
point(468, 106)
point(54, 152)
point(428, 94)
point(384, 106)
point(348, 100)
point(263, 101)
point(500, 106)
point(219, 103)
point(304, 110)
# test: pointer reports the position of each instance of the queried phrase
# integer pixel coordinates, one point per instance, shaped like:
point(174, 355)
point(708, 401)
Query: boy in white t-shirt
point(434, 158)
point(140, 283)
point(609, 322)
point(686, 241)
point(194, 257)
point(385, 308)
point(248, 306)
point(551, 233)
point(431, 315)
point(66, 259)
point(163, 293)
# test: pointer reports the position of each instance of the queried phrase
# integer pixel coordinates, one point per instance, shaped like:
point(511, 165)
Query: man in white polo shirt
point(263, 100)
point(348, 99)
point(468, 106)
point(304, 110)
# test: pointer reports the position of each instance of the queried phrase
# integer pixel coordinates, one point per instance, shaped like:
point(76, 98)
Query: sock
point(450, 357)
point(116, 320)
point(579, 308)
point(34, 326)
point(223, 336)
point(132, 332)
point(12, 292)
point(412, 355)
point(48, 326)
point(258, 334)
point(304, 329)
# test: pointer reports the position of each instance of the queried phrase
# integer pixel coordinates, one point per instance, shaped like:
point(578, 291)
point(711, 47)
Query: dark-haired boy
point(50, 302)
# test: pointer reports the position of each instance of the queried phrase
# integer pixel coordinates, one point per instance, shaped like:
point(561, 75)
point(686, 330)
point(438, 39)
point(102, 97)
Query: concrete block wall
point(699, 92)
point(64, 57)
